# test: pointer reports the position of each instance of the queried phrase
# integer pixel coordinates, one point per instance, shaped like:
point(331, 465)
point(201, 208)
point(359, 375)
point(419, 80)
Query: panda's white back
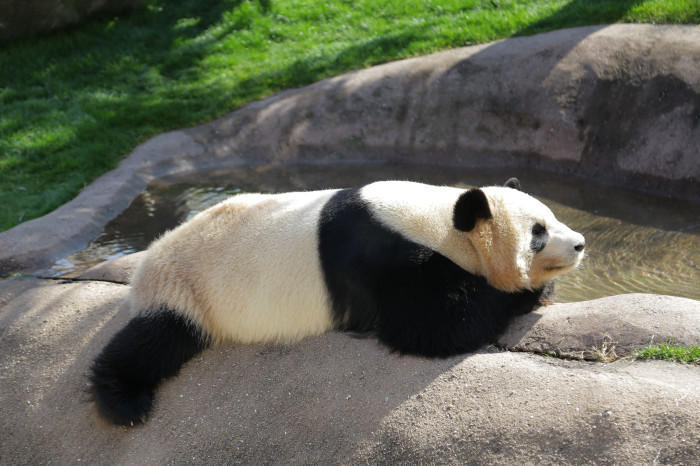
point(247, 269)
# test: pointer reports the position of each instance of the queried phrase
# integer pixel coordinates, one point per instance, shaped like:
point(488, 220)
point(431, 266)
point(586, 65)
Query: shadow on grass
point(310, 70)
point(375, 51)
point(581, 13)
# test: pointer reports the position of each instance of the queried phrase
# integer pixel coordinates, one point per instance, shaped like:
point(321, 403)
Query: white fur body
point(246, 269)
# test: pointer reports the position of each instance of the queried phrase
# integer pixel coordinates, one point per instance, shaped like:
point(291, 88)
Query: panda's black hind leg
point(150, 348)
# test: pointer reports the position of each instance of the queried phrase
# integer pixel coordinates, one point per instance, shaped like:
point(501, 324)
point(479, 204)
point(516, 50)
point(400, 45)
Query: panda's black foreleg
point(152, 347)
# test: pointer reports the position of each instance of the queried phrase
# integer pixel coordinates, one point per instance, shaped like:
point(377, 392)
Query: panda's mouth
point(554, 268)
point(559, 268)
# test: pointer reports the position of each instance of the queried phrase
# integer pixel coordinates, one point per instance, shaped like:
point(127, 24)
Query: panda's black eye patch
point(538, 229)
point(539, 237)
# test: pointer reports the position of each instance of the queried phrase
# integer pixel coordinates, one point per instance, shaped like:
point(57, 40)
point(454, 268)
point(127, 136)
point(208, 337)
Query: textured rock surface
point(619, 104)
point(27, 18)
point(606, 327)
point(507, 408)
point(331, 399)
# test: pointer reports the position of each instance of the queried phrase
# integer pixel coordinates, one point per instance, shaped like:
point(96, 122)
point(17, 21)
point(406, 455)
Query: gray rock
point(612, 103)
point(606, 328)
point(509, 408)
point(11, 288)
point(331, 399)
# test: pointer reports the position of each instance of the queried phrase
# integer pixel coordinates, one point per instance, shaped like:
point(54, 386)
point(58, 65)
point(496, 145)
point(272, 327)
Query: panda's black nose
point(579, 247)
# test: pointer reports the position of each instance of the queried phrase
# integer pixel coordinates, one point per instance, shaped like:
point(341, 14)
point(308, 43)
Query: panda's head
point(517, 239)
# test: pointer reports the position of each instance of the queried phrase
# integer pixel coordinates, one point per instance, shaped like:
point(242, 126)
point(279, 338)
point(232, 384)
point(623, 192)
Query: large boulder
point(337, 399)
point(607, 328)
point(618, 104)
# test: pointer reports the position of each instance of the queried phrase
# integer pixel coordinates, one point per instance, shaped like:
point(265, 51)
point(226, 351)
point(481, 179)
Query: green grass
point(686, 354)
point(73, 104)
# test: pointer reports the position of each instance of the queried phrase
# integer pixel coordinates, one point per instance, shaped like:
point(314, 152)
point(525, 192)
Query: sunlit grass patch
point(669, 352)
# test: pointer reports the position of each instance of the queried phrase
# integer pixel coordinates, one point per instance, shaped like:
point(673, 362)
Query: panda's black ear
point(513, 183)
point(470, 207)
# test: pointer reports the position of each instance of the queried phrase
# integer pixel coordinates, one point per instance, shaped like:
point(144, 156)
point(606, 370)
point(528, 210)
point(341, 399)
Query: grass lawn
point(74, 103)
point(687, 354)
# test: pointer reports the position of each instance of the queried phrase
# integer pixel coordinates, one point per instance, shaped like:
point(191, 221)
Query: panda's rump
point(246, 270)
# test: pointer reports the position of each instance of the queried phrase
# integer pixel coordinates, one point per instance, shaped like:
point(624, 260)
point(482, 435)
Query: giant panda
point(432, 270)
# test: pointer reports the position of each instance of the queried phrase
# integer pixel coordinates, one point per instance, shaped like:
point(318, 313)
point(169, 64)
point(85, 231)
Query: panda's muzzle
point(563, 257)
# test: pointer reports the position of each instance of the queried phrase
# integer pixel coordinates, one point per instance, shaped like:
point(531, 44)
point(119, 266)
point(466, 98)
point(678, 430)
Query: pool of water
point(634, 242)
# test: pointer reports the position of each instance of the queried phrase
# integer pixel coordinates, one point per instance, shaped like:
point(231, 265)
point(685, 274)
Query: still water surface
point(634, 242)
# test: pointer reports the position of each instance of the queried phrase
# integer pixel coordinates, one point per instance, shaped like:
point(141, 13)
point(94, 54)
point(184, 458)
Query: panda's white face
point(515, 241)
point(523, 245)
